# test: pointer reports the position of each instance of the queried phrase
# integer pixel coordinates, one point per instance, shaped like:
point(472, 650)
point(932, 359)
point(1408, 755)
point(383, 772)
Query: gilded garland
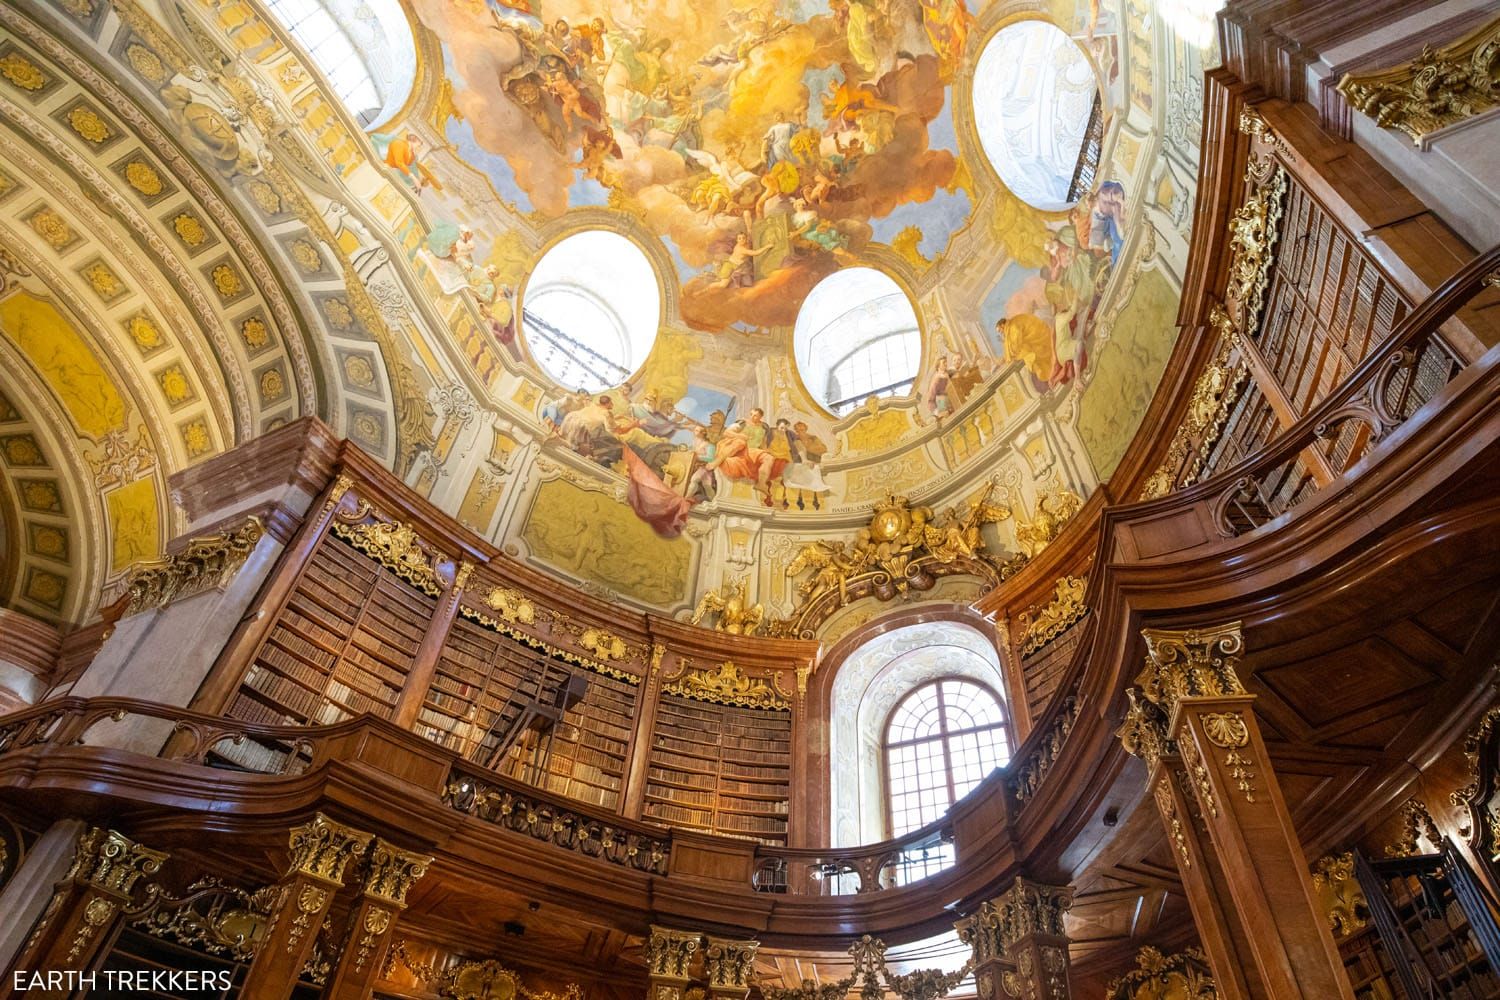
point(728, 685)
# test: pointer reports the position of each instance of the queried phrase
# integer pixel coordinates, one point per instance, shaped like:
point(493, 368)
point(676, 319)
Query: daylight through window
point(857, 336)
point(942, 740)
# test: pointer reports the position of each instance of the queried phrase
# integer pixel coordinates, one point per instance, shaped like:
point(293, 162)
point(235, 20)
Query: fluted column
point(389, 875)
point(1242, 867)
point(669, 957)
point(320, 851)
point(728, 966)
point(83, 918)
point(1020, 948)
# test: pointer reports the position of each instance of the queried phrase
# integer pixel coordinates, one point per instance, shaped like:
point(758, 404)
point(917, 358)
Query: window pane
point(950, 731)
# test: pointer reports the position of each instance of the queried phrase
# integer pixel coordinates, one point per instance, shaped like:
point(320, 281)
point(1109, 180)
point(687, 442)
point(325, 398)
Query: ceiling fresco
point(281, 259)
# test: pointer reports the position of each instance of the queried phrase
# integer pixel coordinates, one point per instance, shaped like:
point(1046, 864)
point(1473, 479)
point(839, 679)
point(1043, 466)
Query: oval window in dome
point(1039, 113)
point(857, 336)
point(591, 310)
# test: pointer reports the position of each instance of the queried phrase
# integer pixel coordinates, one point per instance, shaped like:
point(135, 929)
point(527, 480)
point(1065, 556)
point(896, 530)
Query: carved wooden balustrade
point(1410, 369)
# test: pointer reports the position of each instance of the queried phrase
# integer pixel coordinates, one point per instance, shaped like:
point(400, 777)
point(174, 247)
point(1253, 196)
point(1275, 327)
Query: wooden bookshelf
point(341, 645)
point(720, 769)
point(590, 747)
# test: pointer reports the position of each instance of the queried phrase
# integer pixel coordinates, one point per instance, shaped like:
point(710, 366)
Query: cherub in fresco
point(739, 267)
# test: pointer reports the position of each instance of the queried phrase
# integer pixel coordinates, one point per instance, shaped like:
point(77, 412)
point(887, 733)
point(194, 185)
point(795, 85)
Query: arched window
point(942, 739)
point(1039, 113)
point(857, 336)
point(365, 49)
point(591, 310)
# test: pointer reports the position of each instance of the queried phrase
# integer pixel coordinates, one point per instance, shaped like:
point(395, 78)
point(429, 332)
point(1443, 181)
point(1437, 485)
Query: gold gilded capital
point(112, 862)
point(729, 964)
point(1191, 663)
point(391, 873)
point(1024, 910)
point(669, 951)
point(322, 848)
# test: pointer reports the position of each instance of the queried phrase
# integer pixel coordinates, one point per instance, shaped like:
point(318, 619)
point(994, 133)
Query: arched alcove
point(870, 682)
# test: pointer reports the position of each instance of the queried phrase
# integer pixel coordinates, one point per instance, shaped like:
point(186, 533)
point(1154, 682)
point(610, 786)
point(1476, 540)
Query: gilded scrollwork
point(1064, 610)
point(727, 685)
point(1229, 732)
point(1191, 663)
point(204, 563)
point(1054, 509)
point(1167, 806)
point(210, 916)
point(390, 873)
point(1339, 894)
point(512, 605)
point(1183, 976)
point(1417, 825)
point(396, 546)
point(1033, 772)
point(669, 951)
point(1439, 88)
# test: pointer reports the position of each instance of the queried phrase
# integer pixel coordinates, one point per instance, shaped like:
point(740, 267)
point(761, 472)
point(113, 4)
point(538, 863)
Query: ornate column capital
point(113, 863)
point(1191, 663)
point(321, 849)
point(391, 873)
point(728, 965)
point(669, 952)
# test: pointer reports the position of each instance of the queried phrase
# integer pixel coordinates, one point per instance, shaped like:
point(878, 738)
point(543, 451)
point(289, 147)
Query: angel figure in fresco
point(936, 396)
point(947, 23)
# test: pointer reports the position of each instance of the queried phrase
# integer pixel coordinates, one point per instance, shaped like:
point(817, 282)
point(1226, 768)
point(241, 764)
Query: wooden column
point(320, 851)
point(1246, 877)
point(389, 874)
point(669, 955)
point(83, 919)
point(1019, 945)
point(424, 664)
point(728, 966)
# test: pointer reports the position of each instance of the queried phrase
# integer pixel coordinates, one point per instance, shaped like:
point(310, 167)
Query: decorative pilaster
point(1019, 943)
point(83, 918)
point(728, 964)
point(669, 956)
point(389, 875)
point(1243, 870)
point(320, 851)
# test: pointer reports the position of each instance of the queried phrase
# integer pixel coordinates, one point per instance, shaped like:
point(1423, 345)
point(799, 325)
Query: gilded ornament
point(226, 281)
point(669, 952)
point(22, 72)
point(112, 863)
point(51, 227)
point(1167, 806)
point(1416, 824)
point(46, 588)
point(1228, 731)
point(195, 438)
point(728, 685)
point(103, 281)
point(23, 450)
point(40, 495)
point(144, 178)
point(390, 873)
point(1054, 509)
point(397, 547)
point(306, 256)
point(605, 645)
point(1030, 775)
point(1437, 89)
point(1253, 233)
point(367, 428)
point(1339, 893)
point(1060, 614)
point(174, 384)
point(119, 459)
point(359, 370)
point(146, 63)
point(265, 196)
point(189, 229)
point(322, 848)
point(49, 541)
point(901, 545)
point(89, 126)
point(210, 917)
point(1198, 772)
point(730, 605)
point(205, 563)
point(96, 913)
point(144, 332)
point(512, 605)
point(272, 385)
point(337, 311)
point(1191, 663)
point(254, 333)
point(1183, 976)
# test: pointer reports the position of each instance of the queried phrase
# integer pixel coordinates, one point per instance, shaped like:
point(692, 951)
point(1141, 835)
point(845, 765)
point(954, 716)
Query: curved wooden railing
point(1405, 372)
